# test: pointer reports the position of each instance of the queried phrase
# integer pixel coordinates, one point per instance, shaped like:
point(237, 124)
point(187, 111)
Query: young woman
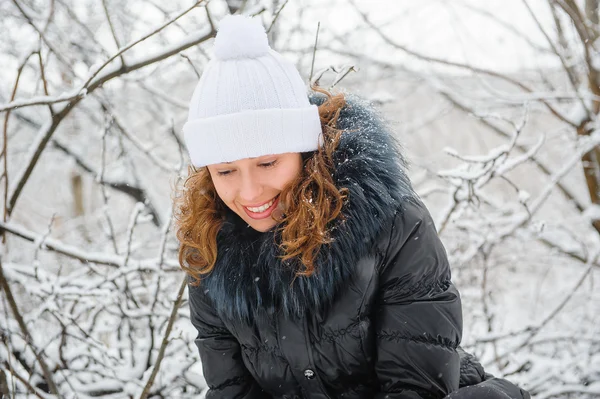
point(315, 269)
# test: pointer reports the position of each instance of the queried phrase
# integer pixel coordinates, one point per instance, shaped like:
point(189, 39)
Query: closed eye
point(268, 164)
point(265, 165)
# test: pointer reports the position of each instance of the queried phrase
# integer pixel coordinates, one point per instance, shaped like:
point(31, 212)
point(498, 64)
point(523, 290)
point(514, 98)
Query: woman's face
point(250, 187)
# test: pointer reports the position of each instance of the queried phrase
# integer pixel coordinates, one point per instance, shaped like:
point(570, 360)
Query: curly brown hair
point(312, 201)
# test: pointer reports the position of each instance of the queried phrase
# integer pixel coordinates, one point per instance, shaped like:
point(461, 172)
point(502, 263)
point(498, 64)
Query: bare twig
point(96, 79)
point(86, 257)
point(485, 297)
point(533, 331)
point(185, 57)
point(341, 74)
point(4, 153)
point(43, 76)
point(112, 29)
point(138, 208)
point(568, 70)
point(165, 341)
point(146, 149)
point(521, 35)
point(137, 193)
point(565, 191)
point(447, 214)
point(135, 42)
point(312, 64)
point(471, 68)
point(111, 229)
point(276, 16)
point(25, 382)
point(41, 31)
point(29, 339)
point(48, 130)
point(90, 35)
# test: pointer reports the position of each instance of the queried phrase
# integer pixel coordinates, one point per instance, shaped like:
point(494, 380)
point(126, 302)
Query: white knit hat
point(249, 102)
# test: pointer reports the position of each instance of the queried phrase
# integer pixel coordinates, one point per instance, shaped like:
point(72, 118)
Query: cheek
point(223, 190)
point(284, 178)
point(288, 174)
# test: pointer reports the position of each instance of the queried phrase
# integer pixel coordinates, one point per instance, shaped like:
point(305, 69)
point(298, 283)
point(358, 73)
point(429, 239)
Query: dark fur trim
point(250, 278)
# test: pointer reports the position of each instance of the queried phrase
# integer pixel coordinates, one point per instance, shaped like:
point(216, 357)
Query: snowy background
point(496, 103)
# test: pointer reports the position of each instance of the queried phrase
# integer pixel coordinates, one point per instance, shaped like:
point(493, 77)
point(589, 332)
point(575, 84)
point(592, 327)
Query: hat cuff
point(252, 133)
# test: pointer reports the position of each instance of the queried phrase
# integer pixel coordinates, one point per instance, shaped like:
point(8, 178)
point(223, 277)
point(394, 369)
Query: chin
point(262, 225)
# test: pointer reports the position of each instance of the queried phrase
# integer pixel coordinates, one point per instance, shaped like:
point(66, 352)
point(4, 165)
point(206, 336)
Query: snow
point(592, 212)
point(515, 241)
point(523, 196)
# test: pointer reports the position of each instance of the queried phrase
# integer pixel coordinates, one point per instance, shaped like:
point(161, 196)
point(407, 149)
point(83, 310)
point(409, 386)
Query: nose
point(251, 190)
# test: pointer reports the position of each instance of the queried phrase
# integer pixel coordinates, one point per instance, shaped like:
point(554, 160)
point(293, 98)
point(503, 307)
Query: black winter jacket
point(379, 319)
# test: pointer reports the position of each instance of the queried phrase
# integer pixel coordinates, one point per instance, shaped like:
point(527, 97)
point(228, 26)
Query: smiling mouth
point(263, 207)
point(264, 211)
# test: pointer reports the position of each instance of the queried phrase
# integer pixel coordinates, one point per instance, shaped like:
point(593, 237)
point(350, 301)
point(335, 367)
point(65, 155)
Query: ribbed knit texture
point(249, 102)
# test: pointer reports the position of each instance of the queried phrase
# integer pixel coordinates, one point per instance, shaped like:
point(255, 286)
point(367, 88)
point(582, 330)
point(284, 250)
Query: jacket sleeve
point(224, 371)
point(418, 314)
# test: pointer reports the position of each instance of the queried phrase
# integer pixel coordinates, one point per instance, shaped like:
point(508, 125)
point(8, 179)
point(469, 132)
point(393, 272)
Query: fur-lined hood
point(249, 277)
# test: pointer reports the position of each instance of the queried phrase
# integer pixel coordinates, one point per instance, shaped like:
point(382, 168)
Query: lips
point(262, 211)
point(261, 208)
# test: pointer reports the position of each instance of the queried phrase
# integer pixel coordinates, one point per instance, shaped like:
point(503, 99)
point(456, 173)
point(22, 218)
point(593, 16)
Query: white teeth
point(261, 208)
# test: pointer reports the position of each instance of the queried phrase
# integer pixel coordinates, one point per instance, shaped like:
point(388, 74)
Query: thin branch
point(536, 329)
point(560, 32)
point(73, 17)
point(312, 64)
point(471, 68)
point(111, 229)
point(40, 243)
point(341, 74)
point(96, 79)
point(276, 16)
point(29, 338)
point(143, 38)
point(138, 208)
point(579, 22)
point(41, 31)
point(485, 297)
point(43, 75)
point(505, 25)
point(566, 67)
point(165, 341)
point(48, 130)
point(145, 149)
point(112, 29)
point(73, 252)
point(4, 153)
point(565, 191)
point(7, 338)
point(446, 215)
point(138, 194)
point(185, 57)
point(25, 382)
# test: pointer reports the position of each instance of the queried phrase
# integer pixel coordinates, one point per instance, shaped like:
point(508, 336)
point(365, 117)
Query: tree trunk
point(591, 160)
